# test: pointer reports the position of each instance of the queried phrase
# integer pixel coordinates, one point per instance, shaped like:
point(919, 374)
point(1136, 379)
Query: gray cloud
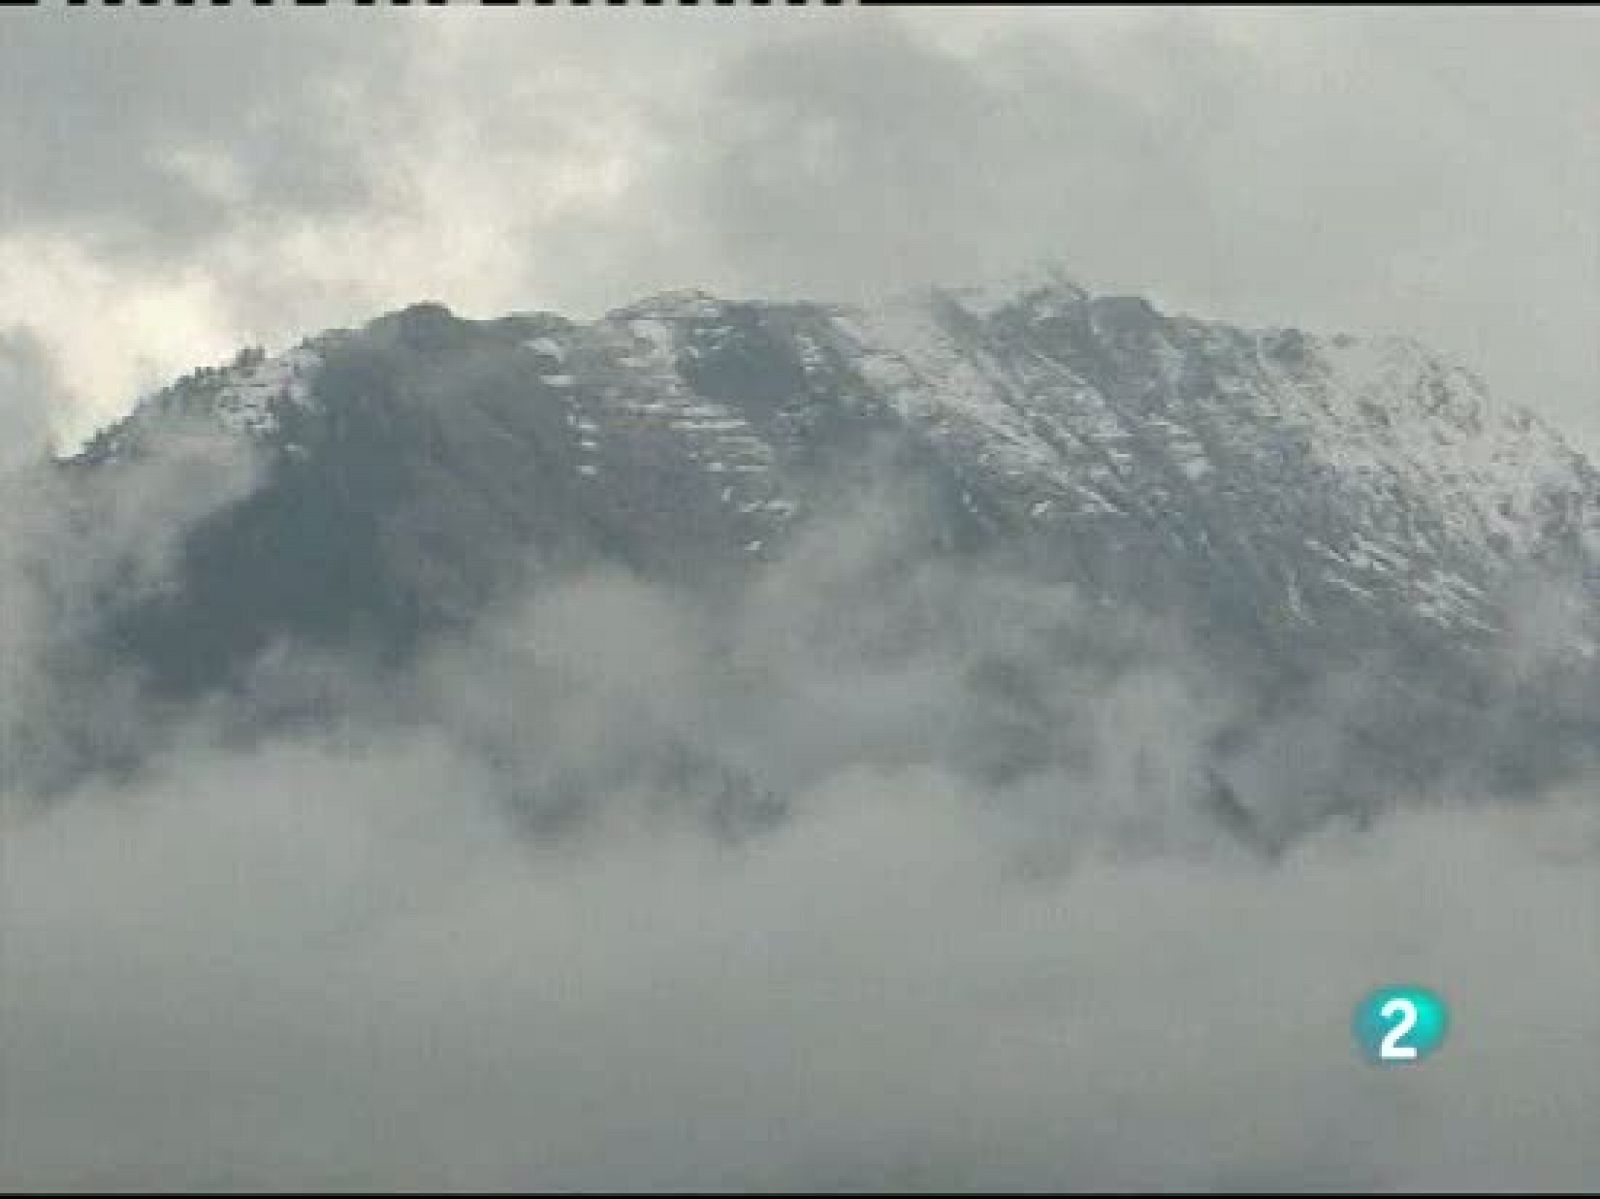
point(151, 137)
point(66, 551)
point(1349, 169)
point(1341, 171)
point(349, 974)
point(28, 392)
point(364, 955)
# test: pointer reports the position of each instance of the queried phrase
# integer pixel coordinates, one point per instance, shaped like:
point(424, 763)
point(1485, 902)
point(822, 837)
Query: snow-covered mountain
point(1319, 479)
point(1303, 504)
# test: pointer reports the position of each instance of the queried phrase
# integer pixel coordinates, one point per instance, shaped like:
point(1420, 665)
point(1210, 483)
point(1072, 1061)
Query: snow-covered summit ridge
point(1369, 471)
point(1391, 465)
point(983, 297)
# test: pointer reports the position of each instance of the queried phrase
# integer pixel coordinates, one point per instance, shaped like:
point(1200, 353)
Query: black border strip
point(441, 3)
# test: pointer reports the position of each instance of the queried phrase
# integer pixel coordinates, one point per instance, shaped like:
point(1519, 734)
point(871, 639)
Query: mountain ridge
point(1123, 416)
point(1306, 506)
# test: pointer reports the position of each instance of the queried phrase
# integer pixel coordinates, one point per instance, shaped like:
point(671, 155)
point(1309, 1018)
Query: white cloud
point(297, 969)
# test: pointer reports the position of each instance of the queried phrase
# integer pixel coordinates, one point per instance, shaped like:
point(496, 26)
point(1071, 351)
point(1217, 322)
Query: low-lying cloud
point(300, 968)
point(816, 886)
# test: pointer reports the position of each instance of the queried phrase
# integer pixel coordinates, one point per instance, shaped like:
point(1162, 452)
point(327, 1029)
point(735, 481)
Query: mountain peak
point(676, 304)
point(424, 326)
point(984, 295)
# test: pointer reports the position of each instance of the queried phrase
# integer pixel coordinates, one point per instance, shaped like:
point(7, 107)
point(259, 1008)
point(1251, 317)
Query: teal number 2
point(1400, 1025)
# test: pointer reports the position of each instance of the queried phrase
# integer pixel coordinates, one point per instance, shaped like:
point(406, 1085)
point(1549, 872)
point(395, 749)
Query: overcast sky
point(354, 972)
point(179, 182)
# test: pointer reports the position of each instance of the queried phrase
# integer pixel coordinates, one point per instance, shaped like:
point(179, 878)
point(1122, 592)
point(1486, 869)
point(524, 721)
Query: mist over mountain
point(988, 738)
point(1342, 533)
point(584, 607)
